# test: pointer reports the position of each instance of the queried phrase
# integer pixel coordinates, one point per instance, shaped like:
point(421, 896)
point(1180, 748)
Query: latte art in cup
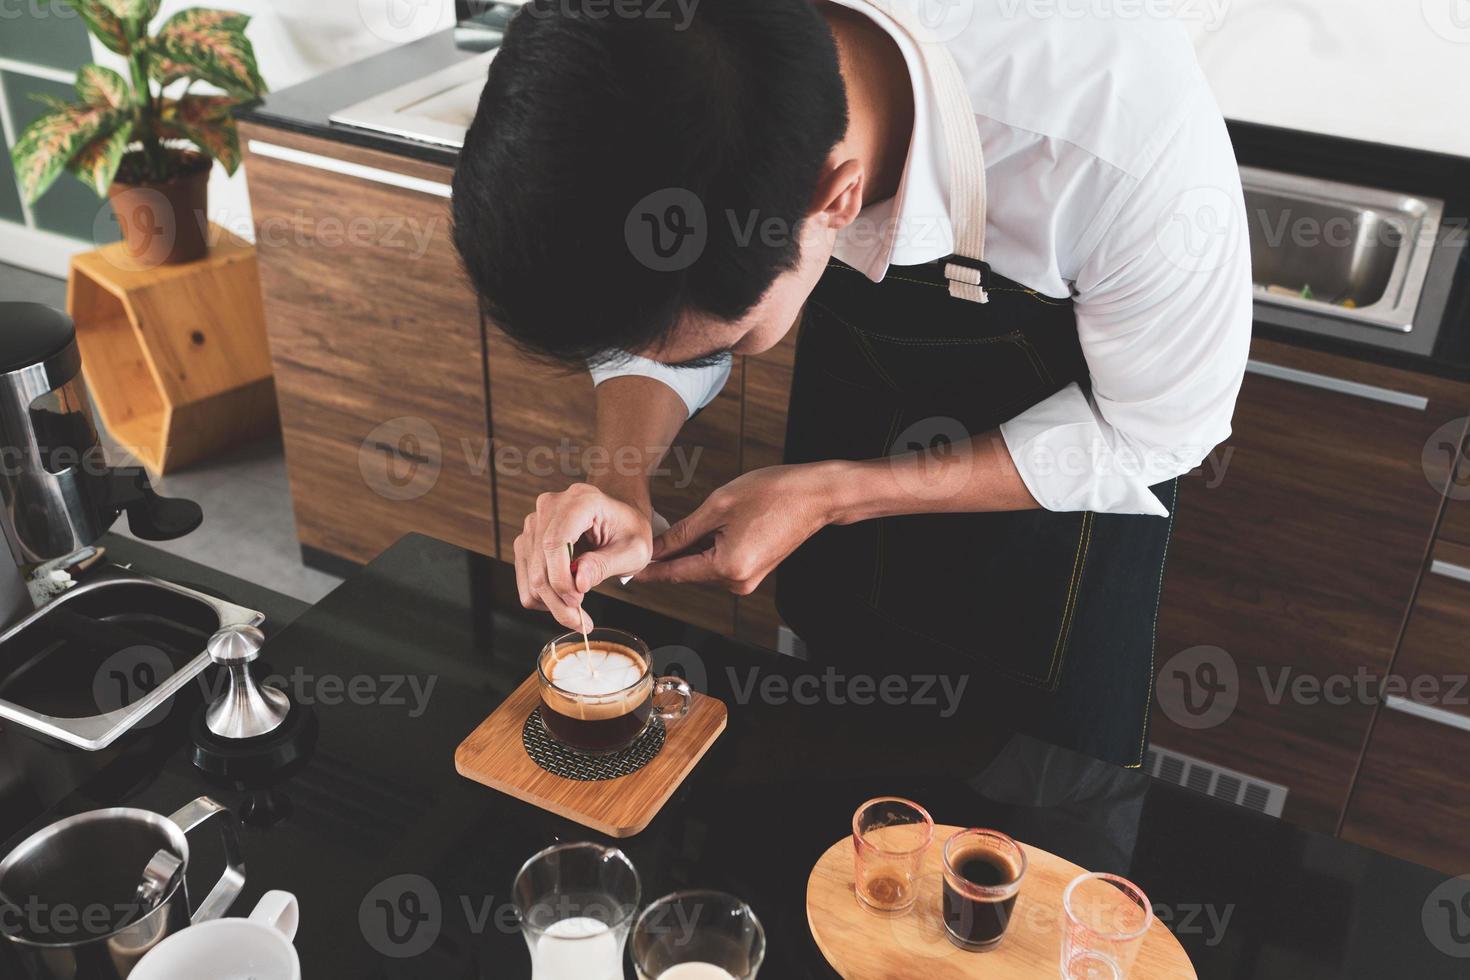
point(597, 694)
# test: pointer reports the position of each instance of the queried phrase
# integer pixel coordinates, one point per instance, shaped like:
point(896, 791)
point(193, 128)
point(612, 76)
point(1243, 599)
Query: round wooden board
point(865, 945)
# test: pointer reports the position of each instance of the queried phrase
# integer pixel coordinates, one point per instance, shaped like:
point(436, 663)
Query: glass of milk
point(576, 904)
point(698, 935)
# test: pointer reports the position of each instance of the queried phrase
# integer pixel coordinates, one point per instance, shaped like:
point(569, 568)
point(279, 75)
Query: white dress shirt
point(1111, 179)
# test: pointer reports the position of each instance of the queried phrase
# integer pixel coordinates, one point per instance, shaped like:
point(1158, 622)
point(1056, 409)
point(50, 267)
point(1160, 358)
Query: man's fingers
point(698, 567)
point(568, 614)
point(685, 534)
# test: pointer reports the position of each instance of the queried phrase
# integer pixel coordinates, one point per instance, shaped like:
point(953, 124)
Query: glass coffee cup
point(599, 695)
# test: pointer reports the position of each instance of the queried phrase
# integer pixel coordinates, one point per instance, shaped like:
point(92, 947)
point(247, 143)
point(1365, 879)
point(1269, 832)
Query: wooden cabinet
point(1299, 558)
point(376, 346)
point(1413, 792)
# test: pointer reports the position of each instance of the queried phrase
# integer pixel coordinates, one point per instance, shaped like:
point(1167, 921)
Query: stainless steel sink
point(1354, 253)
point(436, 109)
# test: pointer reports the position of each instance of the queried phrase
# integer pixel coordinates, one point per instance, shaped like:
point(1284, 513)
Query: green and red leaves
point(212, 43)
point(47, 145)
point(104, 23)
point(205, 121)
point(103, 87)
point(132, 11)
point(96, 163)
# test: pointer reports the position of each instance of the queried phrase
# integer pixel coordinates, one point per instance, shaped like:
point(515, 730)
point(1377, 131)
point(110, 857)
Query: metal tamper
point(246, 709)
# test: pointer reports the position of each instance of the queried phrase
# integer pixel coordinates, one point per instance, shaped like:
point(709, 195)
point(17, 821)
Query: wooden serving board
point(493, 754)
point(865, 945)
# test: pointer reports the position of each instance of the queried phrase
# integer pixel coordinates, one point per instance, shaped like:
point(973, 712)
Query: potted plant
point(129, 139)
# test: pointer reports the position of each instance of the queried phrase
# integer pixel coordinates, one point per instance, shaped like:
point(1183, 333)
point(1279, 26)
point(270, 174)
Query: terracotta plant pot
point(164, 222)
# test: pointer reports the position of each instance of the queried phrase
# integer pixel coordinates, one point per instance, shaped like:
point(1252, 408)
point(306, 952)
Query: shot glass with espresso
point(599, 695)
point(982, 877)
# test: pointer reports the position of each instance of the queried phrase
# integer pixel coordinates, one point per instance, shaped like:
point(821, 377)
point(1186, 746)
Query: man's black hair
point(593, 106)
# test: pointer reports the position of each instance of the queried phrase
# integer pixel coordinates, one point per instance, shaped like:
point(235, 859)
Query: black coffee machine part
point(58, 494)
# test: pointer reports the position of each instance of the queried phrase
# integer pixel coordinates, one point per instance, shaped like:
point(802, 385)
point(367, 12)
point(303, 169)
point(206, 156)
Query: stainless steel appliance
point(437, 108)
point(58, 493)
point(480, 24)
point(70, 894)
point(104, 655)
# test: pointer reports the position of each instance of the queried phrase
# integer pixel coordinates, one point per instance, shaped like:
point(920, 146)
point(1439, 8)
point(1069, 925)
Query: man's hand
point(746, 528)
point(616, 539)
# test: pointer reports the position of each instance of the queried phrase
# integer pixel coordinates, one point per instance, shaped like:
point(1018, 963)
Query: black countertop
point(431, 638)
point(306, 108)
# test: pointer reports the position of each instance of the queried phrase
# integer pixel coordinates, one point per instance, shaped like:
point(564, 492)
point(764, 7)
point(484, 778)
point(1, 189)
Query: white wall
point(1389, 71)
point(298, 39)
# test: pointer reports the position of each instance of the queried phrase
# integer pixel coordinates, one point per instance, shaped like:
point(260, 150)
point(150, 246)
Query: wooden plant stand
point(175, 356)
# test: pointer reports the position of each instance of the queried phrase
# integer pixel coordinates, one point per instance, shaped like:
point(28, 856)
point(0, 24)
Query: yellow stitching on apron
point(1148, 702)
point(1064, 630)
point(1045, 300)
point(1084, 538)
point(1036, 362)
point(863, 348)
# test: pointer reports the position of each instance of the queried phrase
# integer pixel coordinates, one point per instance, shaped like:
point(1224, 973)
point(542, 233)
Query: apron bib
point(1050, 614)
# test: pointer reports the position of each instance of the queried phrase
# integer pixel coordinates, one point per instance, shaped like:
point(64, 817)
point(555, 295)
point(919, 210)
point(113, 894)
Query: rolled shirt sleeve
point(1164, 310)
point(696, 386)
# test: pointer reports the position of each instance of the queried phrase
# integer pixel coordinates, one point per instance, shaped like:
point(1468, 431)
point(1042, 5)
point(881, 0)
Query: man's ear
point(839, 194)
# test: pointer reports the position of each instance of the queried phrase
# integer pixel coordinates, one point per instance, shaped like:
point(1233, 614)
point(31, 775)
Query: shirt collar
point(913, 226)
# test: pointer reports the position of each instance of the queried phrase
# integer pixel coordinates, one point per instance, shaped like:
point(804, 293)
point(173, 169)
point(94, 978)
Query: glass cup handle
point(232, 880)
point(683, 698)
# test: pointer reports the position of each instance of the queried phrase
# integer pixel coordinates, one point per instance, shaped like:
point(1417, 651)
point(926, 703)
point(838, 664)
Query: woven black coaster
point(563, 762)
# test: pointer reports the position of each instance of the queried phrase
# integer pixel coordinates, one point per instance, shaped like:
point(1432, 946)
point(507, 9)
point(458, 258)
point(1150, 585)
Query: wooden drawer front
point(543, 419)
point(1301, 561)
point(767, 396)
point(1413, 792)
point(378, 358)
point(1434, 659)
point(1456, 525)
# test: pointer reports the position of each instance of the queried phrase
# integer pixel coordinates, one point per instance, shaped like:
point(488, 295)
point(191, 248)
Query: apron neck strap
point(966, 269)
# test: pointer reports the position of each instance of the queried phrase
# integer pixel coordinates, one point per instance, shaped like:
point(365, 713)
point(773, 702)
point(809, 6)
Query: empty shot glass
point(1107, 918)
point(889, 836)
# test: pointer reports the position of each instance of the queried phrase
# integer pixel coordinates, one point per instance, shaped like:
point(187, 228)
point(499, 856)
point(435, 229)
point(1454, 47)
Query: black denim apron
point(1051, 614)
